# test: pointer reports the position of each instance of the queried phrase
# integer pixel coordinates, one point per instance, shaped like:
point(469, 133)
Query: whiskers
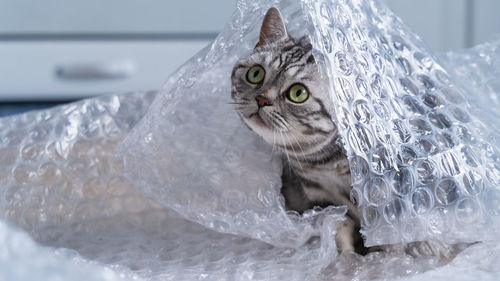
point(240, 106)
point(239, 103)
point(282, 127)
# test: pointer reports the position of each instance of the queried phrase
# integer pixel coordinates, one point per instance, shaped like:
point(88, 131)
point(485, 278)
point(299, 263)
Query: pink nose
point(262, 101)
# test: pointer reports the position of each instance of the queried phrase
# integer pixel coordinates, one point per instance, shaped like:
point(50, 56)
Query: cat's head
point(280, 93)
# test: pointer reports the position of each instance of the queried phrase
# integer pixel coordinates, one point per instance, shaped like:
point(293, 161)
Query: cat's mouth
point(257, 119)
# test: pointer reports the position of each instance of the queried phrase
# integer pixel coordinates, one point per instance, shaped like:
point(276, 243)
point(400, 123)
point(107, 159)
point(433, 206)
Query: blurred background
point(58, 51)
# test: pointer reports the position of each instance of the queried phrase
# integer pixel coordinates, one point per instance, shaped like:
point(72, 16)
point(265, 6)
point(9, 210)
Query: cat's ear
point(273, 28)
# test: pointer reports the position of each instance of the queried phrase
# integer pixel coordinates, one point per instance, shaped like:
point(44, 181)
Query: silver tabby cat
point(281, 94)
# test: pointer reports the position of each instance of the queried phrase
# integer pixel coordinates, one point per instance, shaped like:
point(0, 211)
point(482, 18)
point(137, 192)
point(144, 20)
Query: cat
point(281, 95)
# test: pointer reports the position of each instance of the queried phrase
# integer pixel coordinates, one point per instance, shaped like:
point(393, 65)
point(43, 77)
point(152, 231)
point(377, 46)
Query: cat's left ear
point(273, 28)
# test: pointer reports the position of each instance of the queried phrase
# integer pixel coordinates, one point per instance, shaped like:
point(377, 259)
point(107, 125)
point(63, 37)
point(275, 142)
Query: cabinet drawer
point(64, 70)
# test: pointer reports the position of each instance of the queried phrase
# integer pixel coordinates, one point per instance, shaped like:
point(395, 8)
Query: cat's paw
point(435, 248)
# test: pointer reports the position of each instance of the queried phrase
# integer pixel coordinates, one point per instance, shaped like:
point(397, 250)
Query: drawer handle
point(96, 71)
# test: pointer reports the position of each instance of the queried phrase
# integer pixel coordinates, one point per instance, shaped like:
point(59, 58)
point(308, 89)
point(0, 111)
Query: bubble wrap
point(172, 186)
point(423, 166)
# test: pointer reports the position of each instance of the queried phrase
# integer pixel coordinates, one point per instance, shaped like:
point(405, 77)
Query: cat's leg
point(345, 237)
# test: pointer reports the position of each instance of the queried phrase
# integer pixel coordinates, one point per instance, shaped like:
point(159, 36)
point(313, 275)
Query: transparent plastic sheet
point(206, 215)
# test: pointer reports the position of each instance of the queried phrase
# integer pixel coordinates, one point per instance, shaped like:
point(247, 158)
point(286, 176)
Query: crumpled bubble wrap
point(173, 186)
point(423, 165)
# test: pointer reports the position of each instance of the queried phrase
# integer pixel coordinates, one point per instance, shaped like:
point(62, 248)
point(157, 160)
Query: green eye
point(297, 93)
point(256, 74)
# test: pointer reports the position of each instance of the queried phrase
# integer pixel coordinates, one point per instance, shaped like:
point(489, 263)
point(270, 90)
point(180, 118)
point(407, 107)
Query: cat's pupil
point(256, 73)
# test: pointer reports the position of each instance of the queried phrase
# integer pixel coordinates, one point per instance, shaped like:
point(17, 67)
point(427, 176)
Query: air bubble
point(464, 134)
point(469, 156)
point(427, 146)
point(361, 86)
point(399, 43)
point(432, 101)
point(424, 61)
point(343, 89)
point(376, 191)
point(445, 140)
point(412, 105)
point(440, 120)
point(377, 87)
point(397, 108)
point(360, 138)
point(382, 160)
point(31, 152)
point(426, 172)
point(405, 65)
point(401, 131)
point(342, 39)
point(442, 77)
point(326, 39)
point(427, 82)
point(382, 110)
point(402, 181)
point(362, 63)
point(421, 127)
point(49, 172)
point(343, 64)
point(447, 192)
point(362, 111)
point(468, 211)
point(439, 220)
point(450, 164)
point(421, 200)
point(344, 117)
point(409, 86)
point(24, 174)
point(395, 210)
point(406, 155)
point(473, 183)
point(370, 216)
point(382, 133)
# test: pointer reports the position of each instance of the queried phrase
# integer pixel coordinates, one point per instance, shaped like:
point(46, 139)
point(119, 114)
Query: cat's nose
point(262, 101)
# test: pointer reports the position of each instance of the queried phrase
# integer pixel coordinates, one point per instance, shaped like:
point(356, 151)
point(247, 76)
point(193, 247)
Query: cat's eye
point(297, 93)
point(256, 74)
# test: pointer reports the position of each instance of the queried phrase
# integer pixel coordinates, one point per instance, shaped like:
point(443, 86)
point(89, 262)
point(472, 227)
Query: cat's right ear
point(273, 28)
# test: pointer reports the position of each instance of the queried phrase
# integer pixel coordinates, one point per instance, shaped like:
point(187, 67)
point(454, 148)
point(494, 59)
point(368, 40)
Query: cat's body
point(316, 171)
point(281, 94)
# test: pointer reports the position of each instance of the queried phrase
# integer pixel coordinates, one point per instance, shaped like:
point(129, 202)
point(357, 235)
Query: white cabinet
point(55, 49)
point(486, 20)
point(450, 24)
point(442, 24)
point(63, 50)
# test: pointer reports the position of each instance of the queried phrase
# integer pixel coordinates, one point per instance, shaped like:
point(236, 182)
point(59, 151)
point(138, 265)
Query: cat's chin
point(257, 125)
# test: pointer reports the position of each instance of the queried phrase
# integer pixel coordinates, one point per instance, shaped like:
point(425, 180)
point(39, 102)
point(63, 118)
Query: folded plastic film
point(173, 185)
